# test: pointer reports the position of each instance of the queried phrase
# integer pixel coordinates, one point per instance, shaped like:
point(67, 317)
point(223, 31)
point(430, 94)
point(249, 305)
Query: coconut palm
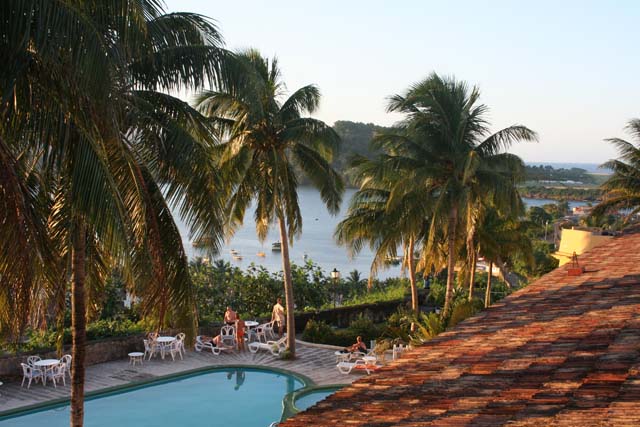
point(501, 240)
point(622, 189)
point(456, 157)
point(88, 138)
point(372, 219)
point(267, 138)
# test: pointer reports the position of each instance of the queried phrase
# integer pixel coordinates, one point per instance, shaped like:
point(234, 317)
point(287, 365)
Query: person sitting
point(358, 346)
point(230, 317)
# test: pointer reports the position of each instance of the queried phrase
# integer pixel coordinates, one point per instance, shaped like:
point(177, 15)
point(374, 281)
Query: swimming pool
point(224, 397)
point(307, 400)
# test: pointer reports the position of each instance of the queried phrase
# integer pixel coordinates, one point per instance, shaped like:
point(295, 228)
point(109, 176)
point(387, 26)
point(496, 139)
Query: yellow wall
point(578, 241)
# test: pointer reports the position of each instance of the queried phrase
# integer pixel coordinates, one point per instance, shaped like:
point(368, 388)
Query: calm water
point(233, 397)
point(308, 400)
point(316, 240)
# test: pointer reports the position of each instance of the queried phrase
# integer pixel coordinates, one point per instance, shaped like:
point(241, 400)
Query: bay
point(316, 240)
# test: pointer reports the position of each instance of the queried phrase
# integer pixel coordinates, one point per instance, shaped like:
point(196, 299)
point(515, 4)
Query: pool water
point(230, 397)
point(310, 399)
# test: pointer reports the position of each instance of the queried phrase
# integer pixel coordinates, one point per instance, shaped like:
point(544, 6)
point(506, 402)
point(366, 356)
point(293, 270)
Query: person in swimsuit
point(240, 332)
point(358, 346)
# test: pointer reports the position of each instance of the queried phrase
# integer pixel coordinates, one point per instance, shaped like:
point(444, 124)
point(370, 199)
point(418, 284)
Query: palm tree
point(88, 138)
point(622, 189)
point(267, 138)
point(385, 226)
point(501, 239)
point(456, 157)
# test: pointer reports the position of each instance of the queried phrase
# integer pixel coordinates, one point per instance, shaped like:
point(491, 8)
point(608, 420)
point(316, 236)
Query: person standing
point(277, 315)
point(230, 317)
point(240, 325)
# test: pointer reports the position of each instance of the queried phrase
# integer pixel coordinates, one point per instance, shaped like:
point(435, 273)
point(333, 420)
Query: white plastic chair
point(206, 345)
point(173, 349)
point(150, 348)
point(265, 332)
point(30, 373)
point(66, 359)
point(228, 336)
point(180, 339)
point(56, 373)
point(398, 349)
point(31, 360)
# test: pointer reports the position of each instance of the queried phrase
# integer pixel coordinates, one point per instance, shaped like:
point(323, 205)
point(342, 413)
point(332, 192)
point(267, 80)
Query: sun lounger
point(205, 345)
point(275, 347)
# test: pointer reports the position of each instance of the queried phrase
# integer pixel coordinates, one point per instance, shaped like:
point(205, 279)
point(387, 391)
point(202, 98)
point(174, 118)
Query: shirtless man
point(277, 315)
point(230, 317)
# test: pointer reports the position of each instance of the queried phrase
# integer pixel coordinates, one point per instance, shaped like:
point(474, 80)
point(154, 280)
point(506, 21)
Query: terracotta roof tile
point(564, 351)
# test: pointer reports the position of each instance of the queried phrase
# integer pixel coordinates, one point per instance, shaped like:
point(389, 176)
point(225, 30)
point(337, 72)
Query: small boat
point(233, 252)
point(261, 254)
point(276, 246)
point(237, 257)
point(393, 260)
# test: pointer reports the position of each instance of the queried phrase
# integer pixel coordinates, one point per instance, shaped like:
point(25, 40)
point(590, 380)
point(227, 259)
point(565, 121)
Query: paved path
point(315, 363)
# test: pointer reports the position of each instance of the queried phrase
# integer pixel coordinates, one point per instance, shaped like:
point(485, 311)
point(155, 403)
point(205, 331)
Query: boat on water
point(237, 257)
point(276, 246)
point(393, 260)
point(261, 254)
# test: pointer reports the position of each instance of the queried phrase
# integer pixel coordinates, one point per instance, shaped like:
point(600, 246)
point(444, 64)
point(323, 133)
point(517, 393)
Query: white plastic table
point(251, 323)
point(136, 357)
point(164, 342)
point(46, 364)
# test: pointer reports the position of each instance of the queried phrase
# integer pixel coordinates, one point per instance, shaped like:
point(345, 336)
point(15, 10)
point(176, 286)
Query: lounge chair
point(359, 364)
point(206, 345)
point(275, 347)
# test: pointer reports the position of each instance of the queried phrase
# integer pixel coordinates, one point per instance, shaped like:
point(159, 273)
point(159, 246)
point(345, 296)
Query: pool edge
point(288, 402)
point(95, 394)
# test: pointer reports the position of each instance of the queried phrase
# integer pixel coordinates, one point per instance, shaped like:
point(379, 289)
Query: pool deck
point(316, 363)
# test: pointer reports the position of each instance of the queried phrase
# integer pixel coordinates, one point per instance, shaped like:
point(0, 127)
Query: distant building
point(582, 210)
point(578, 241)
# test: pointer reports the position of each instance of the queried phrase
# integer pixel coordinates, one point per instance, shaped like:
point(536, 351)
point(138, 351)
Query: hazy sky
point(567, 69)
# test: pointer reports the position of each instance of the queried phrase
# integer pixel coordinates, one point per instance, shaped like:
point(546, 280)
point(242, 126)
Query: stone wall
point(98, 351)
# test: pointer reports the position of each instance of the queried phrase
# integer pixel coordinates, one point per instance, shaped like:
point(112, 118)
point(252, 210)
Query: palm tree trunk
point(504, 273)
point(412, 280)
point(472, 273)
point(78, 325)
point(451, 261)
point(288, 288)
point(487, 295)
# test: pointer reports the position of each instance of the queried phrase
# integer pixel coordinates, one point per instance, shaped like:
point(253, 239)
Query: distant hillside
point(357, 136)
point(551, 174)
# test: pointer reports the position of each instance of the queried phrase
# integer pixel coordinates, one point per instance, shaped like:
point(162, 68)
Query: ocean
point(316, 241)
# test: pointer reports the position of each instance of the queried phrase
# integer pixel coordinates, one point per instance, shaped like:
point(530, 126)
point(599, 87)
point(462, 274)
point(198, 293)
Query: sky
point(566, 69)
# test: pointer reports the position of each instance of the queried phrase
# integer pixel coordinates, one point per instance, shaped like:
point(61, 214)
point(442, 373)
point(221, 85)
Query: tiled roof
point(564, 351)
